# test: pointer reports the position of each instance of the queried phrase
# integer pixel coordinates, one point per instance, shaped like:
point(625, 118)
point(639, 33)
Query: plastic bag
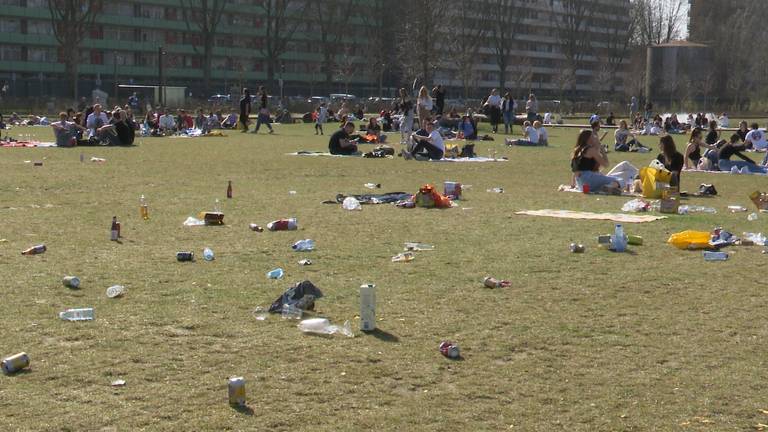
point(653, 181)
point(690, 240)
point(351, 203)
point(323, 326)
point(636, 205)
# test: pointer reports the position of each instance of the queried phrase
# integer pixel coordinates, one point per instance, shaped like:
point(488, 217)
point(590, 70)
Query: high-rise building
point(123, 46)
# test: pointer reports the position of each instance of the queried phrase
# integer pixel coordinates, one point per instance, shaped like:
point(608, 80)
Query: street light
point(114, 78)
point(161, 95)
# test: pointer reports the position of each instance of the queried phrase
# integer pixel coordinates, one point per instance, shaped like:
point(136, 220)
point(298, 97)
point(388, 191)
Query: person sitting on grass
point(543, 135)
point(65, 131)
point(724, 121)
point(743, 131)
point(200, 119)
point(230, 121)
point(342, 142)
point(166, 124)
point(530, 137)
point(373, 131)
point(671, 158)
point(586, 160)
point(755, 139)
point(713, 136)
point(125, 130)
point(429, 147)
point(467, 128)
point(733, 148)
point(626, 141)
point(693, 152)
point(184, 120)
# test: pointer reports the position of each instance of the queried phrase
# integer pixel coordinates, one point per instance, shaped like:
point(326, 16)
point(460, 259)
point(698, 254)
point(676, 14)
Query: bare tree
point(205, 16)
point(378, 53)
point(346, 68)
point(524, 73)
point(280, 21)
point(657, 21)
point(468, 33)
point(71, 21)
point(332, 18)
point(419, 37)
point(572, 19)
point(504, 24)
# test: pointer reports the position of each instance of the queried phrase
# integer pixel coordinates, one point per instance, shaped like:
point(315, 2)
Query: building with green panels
point(122, 46)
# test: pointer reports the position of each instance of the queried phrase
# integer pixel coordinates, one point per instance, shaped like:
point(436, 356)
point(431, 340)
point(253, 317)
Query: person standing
point(263, 117)
point(532, 107)
point(438, 94)
point(424, 104)
point(508, 112)
point(405, 107)
point(245, 110)
point(633, 107)
point(322, 116)
point(493, 109)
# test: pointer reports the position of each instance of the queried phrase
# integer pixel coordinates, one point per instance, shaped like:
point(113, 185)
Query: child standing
point(322, 116)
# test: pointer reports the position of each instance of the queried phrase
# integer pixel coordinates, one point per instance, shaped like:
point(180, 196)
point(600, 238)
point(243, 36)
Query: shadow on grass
point(243, 409)
point(18, 373)
point(383, 335)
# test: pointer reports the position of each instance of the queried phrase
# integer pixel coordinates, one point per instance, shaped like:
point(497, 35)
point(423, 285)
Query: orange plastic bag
point(690, 240)
point(428, 197)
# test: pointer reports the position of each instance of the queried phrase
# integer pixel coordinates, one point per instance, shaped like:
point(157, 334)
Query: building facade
point(123, 45)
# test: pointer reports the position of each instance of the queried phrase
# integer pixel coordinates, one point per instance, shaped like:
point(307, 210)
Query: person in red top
point(185, 121)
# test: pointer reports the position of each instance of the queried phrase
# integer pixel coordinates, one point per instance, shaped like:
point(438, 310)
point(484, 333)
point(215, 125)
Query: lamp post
point(161, 92)
point(114, 78)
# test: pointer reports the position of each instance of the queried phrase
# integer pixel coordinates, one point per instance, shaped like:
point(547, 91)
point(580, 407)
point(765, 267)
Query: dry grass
point(655, 339)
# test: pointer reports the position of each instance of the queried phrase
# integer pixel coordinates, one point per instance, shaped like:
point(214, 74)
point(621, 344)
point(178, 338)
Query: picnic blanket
point(569, 214)
point(385, 198)
point(27, 144)
point(318, 153)
point(462, 160)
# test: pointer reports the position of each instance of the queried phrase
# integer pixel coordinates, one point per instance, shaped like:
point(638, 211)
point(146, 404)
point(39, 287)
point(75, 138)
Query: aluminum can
point(34, 250)
point(185, 256)
point(577, 248)
point(255, 227)
point(71, 281)
point(15, 363)
point(450, 350)
point(237, 391)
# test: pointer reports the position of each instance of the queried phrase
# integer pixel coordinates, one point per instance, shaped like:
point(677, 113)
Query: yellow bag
point(651, 177)
point(690, 240)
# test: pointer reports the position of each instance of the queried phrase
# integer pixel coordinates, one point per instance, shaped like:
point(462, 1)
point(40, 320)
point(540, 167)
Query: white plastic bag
point(351, 203)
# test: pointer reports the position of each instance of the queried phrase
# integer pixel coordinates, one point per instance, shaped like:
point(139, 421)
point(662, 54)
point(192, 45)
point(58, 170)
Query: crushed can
point(237, 391)
point(367, 307)
point(15, 363)
point(34, 250)
point(185, 256)
point(71, 282)
point(305, 262)
point(492, 282)
point(255, 227)
point(577, 248)
point(450, 350)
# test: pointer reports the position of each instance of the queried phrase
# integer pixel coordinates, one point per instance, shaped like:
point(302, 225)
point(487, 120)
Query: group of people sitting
point(95, 127)
point(709, 152)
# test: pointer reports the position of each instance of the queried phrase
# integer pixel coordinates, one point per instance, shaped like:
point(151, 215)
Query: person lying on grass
point(733, 148)
point(530, 136)
point(586, 160)
point(342, 142)
point(429, 147)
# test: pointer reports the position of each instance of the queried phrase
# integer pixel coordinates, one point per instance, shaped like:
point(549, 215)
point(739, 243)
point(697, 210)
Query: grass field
point(655, 339)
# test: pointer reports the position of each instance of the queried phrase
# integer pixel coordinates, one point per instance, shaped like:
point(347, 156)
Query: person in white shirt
point(594, 118)
point(531, 136)
point(322, 117)
point(724, 121)
point(755, 139)
point(65, 131)
point(547, 118)
point(166, 123)
point(433, 145)
point(424, 104)
point(543, 136)
point(532, 107)
point(493, 109)
point(97, 123)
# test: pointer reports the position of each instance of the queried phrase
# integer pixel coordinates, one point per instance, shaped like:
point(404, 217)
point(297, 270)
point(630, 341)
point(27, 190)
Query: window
point(10, 53)
point(41, 55)
point(39, 27)
point(8, 25)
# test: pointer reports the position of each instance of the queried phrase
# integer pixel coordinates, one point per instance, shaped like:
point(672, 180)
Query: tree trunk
point(207, 60)
point(270, 72)
point(502, 75)
point(72, 69)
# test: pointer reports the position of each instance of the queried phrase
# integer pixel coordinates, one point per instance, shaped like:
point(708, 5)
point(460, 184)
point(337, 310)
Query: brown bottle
point(229, 189)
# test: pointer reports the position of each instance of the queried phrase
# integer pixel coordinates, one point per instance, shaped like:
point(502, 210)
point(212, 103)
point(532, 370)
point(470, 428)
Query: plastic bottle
point(413, 246)
point(619, 240)
point(283, 225)
point(373, 185)
point(736, 208)
point(217, 206)
point(304, 245)
point(229, 189)
point(403, 257)
point(114, 230)
point(715, 256)
point(208, 254)
point(688, 209)
point(291, 312)
point(143, 208)
point(275, 274)
point(84, 314)
point(752, 217)
point(323, 326)
point(496, 190)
